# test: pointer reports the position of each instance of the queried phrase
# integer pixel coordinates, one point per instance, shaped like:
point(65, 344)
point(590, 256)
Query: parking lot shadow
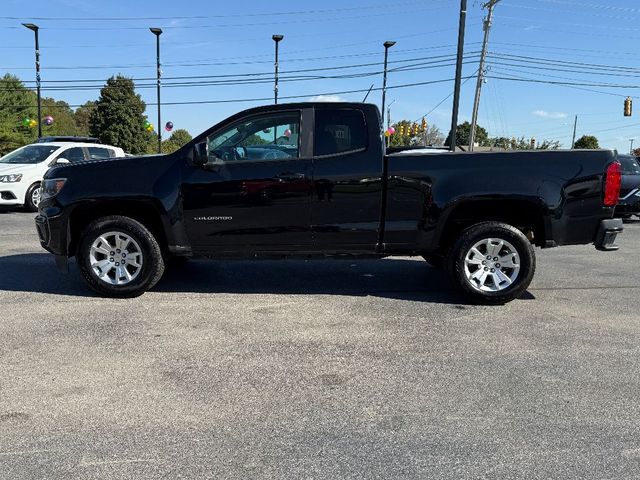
point(390, 278)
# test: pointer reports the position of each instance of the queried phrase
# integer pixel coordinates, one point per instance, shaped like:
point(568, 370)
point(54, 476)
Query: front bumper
point(607, 232)
point(53, 234)
point(12, 194)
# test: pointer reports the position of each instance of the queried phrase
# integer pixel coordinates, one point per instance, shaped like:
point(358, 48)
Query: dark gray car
point(629, 203)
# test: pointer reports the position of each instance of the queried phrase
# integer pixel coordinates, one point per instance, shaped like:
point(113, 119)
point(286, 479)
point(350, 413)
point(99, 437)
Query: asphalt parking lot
point(319, 369)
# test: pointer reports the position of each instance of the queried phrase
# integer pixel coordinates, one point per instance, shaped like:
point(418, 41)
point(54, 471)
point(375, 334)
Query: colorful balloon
point(147, 124)
point(287, 133)
point(26, 122)
point(387, 133)
point(48, 120)
point(32, 123)
point(392, 130)
point(169, 126)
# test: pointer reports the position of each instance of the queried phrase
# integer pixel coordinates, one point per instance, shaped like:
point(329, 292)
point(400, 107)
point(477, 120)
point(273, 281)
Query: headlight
point(13, 178)
point(51, 187)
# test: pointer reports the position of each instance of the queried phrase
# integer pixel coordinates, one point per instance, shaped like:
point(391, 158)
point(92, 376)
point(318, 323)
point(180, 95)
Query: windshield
point(30, 154)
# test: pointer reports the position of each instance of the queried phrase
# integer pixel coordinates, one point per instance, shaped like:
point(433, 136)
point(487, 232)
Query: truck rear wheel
point(119, 257)
point(492, 262)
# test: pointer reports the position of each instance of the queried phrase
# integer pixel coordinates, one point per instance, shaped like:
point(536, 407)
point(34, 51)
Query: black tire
point(28, 201)
point(436, 260)
point(494, 230)
point(152, 262)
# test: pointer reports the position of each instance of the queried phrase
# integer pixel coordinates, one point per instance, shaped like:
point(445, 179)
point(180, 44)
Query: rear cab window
point(339, 131)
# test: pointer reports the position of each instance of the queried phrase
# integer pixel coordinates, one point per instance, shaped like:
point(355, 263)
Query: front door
point(255, 193)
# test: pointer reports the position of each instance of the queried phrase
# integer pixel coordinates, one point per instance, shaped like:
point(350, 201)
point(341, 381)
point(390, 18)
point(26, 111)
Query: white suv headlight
point(13, 178)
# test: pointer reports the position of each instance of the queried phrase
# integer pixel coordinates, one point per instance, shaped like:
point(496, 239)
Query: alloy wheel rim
point(35, 197)
point(116, 258)
point(492, 265)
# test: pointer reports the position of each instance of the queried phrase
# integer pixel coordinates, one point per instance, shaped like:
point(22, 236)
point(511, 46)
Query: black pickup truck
point(313, 179)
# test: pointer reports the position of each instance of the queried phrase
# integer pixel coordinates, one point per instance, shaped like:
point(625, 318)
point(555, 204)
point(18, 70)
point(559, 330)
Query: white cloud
point(327, 98)
point(545, 114)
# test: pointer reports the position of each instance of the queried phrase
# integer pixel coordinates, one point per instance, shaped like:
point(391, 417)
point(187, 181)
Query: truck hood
point(105, 165)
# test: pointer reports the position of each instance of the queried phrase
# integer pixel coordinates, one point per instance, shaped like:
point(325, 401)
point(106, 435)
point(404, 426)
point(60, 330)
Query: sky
point(549, 60)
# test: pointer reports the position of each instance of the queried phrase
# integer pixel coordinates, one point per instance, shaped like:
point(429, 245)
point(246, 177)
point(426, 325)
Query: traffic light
point(424, 125)
point(401, 130)
point(533, 143)
point(627, 106)
point(415, 129)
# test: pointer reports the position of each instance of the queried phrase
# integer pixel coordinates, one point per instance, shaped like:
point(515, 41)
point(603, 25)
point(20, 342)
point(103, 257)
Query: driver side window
point(265, 137)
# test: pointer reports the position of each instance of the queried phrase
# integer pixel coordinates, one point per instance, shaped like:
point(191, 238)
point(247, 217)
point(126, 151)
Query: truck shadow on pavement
point(390, 278)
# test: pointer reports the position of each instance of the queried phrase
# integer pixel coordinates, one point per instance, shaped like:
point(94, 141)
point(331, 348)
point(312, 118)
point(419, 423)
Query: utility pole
point(476, 103)
point(575, 126)
point(631, 147)
point(389, 114)
point(458, 81)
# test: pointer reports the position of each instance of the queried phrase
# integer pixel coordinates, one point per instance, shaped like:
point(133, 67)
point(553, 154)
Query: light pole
point(276, 39)
point(157, 32)
point(387, 45)
point(631, 147)
point(35, 29)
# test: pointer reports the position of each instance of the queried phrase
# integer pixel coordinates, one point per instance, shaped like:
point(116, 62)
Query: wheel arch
point(528, 215)
point(143, 211)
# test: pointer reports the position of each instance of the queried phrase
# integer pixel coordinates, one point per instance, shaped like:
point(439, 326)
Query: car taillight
point(612, 184)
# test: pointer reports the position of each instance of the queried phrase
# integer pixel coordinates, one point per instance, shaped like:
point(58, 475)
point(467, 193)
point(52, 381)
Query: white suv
point(21, 171)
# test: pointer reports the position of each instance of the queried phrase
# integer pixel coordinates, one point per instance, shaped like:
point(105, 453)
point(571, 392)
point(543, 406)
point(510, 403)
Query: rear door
point(73, 154)
point(347, 172)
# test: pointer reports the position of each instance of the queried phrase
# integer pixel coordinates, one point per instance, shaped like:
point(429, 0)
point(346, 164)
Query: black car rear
point(629, 203)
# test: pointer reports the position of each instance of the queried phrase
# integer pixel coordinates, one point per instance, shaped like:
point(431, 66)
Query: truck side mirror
point(201, 153)
point(62, 161)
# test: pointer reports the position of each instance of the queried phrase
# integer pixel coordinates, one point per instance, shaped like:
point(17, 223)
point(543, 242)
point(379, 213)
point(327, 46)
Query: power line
point(262, 77)
point(445, 98)
point(241, 100)
point(243, 24)
point(551, 82)
point(204, 17)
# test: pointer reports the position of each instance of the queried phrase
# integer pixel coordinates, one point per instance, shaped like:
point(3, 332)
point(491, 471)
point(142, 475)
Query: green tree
point(177, 139)
point(63, 118)
point(17, 102)
point(253, 140)
point(586, 141)
point(521, 143)
point(82, 117)
point(118, 118)
point(463, 132)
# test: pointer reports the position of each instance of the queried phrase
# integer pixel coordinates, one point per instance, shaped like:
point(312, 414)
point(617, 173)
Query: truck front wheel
point(492, 262)
point(119, 257)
